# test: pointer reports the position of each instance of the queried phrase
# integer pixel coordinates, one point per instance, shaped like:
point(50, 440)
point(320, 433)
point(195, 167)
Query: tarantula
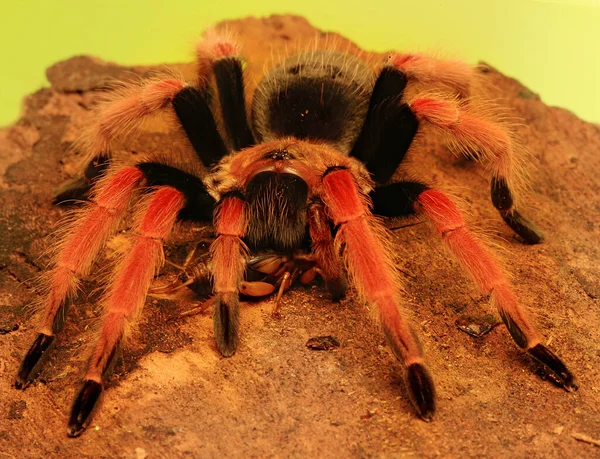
point(301, 187)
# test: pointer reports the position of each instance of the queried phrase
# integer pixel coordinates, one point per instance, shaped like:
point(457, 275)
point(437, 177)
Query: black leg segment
point(193, 110)
point(199, 204)
point(34, 360)
point(523, 227)
point(560, 372)
point(226, 323)
point(501, 195)
point(389, 128)
point(78, 189)
point(421, 389)
point(230, 83)
point(40, 350)
point(83, 407)
point(396, 199)
point(503, 201)
point(88, 396)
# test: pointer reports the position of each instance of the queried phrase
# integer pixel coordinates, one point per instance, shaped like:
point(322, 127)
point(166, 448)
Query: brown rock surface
point(174, 396)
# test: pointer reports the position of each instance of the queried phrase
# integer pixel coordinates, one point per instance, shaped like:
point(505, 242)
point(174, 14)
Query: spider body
point(298, 189)
point(319, 95)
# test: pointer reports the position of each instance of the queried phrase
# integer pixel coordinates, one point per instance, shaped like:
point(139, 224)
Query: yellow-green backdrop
point(552, 46)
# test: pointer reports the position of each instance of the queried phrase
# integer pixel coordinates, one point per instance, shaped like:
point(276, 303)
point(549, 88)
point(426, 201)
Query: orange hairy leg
point(126, 108)
point(213, 46)
point(228, 253)
point(372, 269)
point(125, 297)
point(86, 237)
point(470, 133)
point(491, 280)
point(323, 248)
point(478, 137)
point(429, 70)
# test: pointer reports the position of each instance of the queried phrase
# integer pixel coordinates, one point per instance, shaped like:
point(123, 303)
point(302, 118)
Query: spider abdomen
point(314, 95)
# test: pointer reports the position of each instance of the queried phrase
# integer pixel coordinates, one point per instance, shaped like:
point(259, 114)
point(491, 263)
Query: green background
point(552, 46)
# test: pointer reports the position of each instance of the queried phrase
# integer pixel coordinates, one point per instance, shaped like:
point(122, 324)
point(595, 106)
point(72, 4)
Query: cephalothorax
point(298, 188)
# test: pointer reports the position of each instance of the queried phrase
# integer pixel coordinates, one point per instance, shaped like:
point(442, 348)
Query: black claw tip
point(33, 361)
point(422, 390)
point(79, 189)
point(561, 373)
point(523, 227)
point(83, 407)
point(501, 195)
point(226, 322)
point(337, 288)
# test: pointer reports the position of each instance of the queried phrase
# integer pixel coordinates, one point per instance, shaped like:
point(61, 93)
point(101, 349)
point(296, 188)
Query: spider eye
point(280, 155)
point(295, 70)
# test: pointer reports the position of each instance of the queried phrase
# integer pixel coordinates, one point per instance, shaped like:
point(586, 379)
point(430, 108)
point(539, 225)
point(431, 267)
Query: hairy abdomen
point(315, 95)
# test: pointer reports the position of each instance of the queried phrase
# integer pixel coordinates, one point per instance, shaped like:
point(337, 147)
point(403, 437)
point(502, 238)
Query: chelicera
point(297, 191)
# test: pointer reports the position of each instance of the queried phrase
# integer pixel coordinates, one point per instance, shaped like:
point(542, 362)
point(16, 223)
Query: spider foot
point(337, 287)
point(83, 407)
point(33, 361)
point(421, 389)
point(226, 322)
point(72, 192)
point(79, 189)
point(560, 373)
point(523, 227)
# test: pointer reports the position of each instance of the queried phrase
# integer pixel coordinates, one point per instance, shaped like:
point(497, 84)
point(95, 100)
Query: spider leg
point(429, 70)
point(476, 260)
point(391, 126)
point(228, 253)
point(131, 104)
point(469, 132)
point(192, 107)
point(370, 265)
point(122, 112)
point(223, 56)
point(86, 236)
point(125, 297)
point(286, 282)
point(323, 248)
point(198, 203)
point(396, 199)
point(389, 129)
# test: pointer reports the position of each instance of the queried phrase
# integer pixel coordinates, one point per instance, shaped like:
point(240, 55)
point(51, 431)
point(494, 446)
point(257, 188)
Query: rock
point(275, 397)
